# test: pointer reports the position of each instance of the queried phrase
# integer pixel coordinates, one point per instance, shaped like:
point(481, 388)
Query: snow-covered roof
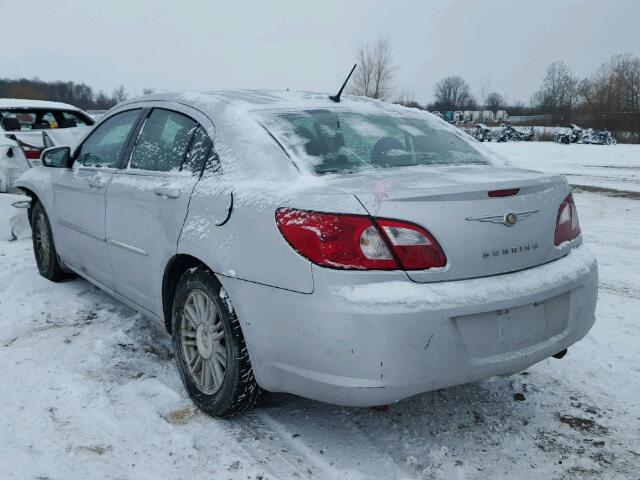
point(26, 104)
point(250, 100)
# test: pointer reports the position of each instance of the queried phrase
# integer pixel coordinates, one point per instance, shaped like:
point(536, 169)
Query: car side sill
point(114, 294)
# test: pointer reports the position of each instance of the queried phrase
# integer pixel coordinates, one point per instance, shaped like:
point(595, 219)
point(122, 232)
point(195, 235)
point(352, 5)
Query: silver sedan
point(355, 252)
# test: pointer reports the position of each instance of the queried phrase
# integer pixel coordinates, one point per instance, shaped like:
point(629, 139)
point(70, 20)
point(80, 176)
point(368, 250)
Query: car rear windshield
point(337, 141)
point(41, 119)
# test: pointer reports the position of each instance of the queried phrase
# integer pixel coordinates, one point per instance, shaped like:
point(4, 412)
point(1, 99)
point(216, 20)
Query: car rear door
point(147, 201)
point(79, 197)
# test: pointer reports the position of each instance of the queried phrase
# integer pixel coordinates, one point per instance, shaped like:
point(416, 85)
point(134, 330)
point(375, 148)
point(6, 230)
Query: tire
point(44, 250)
point(211, 353)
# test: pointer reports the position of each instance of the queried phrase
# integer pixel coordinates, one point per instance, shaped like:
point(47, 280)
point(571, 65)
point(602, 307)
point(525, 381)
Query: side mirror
point(57, 157)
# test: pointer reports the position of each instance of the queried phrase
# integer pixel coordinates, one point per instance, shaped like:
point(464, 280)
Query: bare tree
point(494, 101)
point(453, 93)
point(120, 94)
point(485, 85)
point(374, 76)
point(612, 94)
point(407, 99)
point(103, 102)
point(559, 92)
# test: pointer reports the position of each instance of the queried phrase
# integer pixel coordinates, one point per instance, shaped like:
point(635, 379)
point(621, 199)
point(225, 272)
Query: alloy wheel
point(203, 341)
point(42, 240)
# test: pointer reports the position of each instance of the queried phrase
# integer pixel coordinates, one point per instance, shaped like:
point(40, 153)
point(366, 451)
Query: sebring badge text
point(510, 251)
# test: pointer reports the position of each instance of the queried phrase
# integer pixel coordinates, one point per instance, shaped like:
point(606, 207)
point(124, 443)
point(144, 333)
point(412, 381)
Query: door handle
point(167, 192)
point(96, 183)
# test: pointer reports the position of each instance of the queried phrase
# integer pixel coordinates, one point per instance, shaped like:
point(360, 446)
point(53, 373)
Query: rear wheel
point(211, 354)
point(45, 252)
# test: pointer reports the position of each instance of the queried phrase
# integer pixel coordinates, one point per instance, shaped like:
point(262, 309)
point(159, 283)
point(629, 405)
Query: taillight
point(32, 153)
point(414, 246)
point(508, 192)
point(358, 242)
point(567, 224)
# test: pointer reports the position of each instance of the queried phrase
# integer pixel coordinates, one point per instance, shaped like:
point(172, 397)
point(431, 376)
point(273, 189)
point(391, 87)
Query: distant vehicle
point(355, 253)
point(482, 133)
point(506, 133)
point(594, 137)
point(22, 124)
point(573, 135)
point(589, 136)
point(502, 116)
point(96, 114)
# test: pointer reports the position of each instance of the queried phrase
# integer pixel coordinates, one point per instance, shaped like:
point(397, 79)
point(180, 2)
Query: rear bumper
point(378, 343)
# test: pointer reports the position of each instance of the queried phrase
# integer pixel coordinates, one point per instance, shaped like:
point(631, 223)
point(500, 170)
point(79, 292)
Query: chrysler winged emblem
point(509, 219)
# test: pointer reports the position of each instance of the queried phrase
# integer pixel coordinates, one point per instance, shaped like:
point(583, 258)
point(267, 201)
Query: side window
point(70, 119)
point(104, 146)
point(48, 121)
point(163, 141)
point(197, 154)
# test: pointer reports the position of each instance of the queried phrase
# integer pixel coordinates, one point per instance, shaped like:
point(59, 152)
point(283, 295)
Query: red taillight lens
point(503, 193)
point(32, 153)
point(355, 242)
point(336, 241)
point(414, 246)
point(567, 224)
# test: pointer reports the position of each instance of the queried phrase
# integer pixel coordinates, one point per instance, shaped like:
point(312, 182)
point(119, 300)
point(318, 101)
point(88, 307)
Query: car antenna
point(336, 97)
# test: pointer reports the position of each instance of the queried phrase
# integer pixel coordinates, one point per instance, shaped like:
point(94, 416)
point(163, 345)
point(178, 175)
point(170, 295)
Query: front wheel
point(211, 353)
point(45, 252)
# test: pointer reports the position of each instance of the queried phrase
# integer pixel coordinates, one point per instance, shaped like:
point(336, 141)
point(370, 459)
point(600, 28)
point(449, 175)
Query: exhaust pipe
point(560, 354)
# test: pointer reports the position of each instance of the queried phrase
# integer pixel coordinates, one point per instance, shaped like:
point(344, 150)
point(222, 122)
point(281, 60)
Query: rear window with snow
point(337, 141)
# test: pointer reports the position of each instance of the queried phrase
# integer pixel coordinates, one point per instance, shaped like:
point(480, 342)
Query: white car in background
point(29, 126)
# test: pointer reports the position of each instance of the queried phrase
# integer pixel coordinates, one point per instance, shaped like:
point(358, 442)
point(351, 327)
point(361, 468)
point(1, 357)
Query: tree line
point(77, 94)
point(607, 99)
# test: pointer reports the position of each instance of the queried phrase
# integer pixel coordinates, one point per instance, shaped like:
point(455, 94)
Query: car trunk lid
point(480, 234)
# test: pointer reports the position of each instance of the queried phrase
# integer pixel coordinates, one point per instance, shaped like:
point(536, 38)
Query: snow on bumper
point(378, 343)
point(406, 296)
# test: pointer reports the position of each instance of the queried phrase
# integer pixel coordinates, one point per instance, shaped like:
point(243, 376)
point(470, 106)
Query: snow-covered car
point(25, 127)
point(355, 252)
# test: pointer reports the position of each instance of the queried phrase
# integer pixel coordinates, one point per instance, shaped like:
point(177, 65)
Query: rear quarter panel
point(249, 245)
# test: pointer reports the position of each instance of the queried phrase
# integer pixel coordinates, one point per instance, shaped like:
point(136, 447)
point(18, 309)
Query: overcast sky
point(206, 45)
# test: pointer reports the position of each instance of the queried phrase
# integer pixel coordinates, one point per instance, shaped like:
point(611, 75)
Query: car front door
point(79, 203)
point(147, 201)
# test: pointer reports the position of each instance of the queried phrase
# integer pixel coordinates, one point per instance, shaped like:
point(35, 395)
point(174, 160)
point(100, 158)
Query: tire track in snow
point(329, 443)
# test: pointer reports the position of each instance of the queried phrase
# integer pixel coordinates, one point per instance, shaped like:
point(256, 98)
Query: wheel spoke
point(220, 359)
point(200, 308)
point(189, 333)
point(190, 313)
point(198, 362)
point(204, 375)
point(220, 350)
point(217, 373)
point(219, 334)
point(42, 240)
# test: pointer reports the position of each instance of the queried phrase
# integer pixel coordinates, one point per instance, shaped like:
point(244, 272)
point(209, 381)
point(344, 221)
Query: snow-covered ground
point(592, 166)
point(89, 389)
